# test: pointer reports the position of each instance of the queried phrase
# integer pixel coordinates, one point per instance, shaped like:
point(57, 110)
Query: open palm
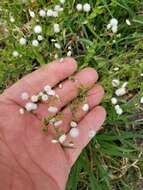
point(28, 159)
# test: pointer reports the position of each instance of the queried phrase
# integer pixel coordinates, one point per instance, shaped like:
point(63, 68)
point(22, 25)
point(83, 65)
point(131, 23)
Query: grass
point(113, 160)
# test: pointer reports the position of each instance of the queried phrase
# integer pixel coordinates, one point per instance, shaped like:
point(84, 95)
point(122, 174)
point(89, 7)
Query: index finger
point(50, 74)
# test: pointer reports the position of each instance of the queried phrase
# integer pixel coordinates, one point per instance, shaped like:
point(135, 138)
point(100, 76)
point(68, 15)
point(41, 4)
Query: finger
point(50, 74)
point(94, 97)
point(70, 90)
point(92, 122)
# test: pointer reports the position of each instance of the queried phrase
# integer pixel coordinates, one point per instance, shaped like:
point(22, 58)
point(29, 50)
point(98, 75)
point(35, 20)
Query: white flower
point(141, 74)
point(51, 93)
point(116, 69)
point(118, 110)
point(120, 92)
point(34, 98)
point(35, 43)
point(60, 86)
point(69, 53)
point(47, 88)
point(37, 29)
point(54, 141)
point(30, 106)
point(141, 100)
point(62, 138)
point(57, 8)
point(128, 22)
point(56, 28)
point(79, 7)
point(52, 109)
point(24, 96)
point(114, 29)
point(21, 111)
point(44, 97)
point(15, 54)
point(32, 14)
point(113, 22)
point(62, 1)
point(73, 124)
point(85, 107)
point(57, 45)
point(57, 123)
point(114, 100)
point(91, 133)
point(86, 7)
point(74, 132)
point(115, 82)
point(22, 41)
point(12, 19)
point(40, 38)
point(50, 12)
point(55, 13)
point(42, 13)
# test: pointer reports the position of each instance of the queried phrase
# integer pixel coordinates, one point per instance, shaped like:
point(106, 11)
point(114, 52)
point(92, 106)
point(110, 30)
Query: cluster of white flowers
point(113, 25)
point(32, 103)
point(121, 91)
point(55, 11)
point(86, 7)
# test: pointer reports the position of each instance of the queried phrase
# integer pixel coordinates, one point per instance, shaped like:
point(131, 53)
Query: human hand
point(28, 158)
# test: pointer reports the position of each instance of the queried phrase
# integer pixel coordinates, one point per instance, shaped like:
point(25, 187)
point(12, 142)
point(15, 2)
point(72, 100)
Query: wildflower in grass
point(42, 13)
point(121, 91)
point(85, 107)
point(24, 96)
point(73, 124)
point(69, 53)
point(62, 138)
point(58, 8)
point(30, 106)
point(115, 82)
point(118, 110)
point(91, 133)
point(22, 41)
point(37, 29)
point(31, 13)
point(50, 13)
point(40, 37)
point(57, 45)
point(128, 22)
point(12, 19)
point(141, 74)
point(86, 7)
point(74, 132)
point(79, 7)
point(141, 100)
point(62, 1)
point(35, 43)
point(56, 28)
point(116, 69)
point(114, 100)
point(113, 24)
point(52, 109)
point(15, 54)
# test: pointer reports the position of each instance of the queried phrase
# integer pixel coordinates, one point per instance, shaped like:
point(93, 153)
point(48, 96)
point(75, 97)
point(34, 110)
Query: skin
point(28, 159)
